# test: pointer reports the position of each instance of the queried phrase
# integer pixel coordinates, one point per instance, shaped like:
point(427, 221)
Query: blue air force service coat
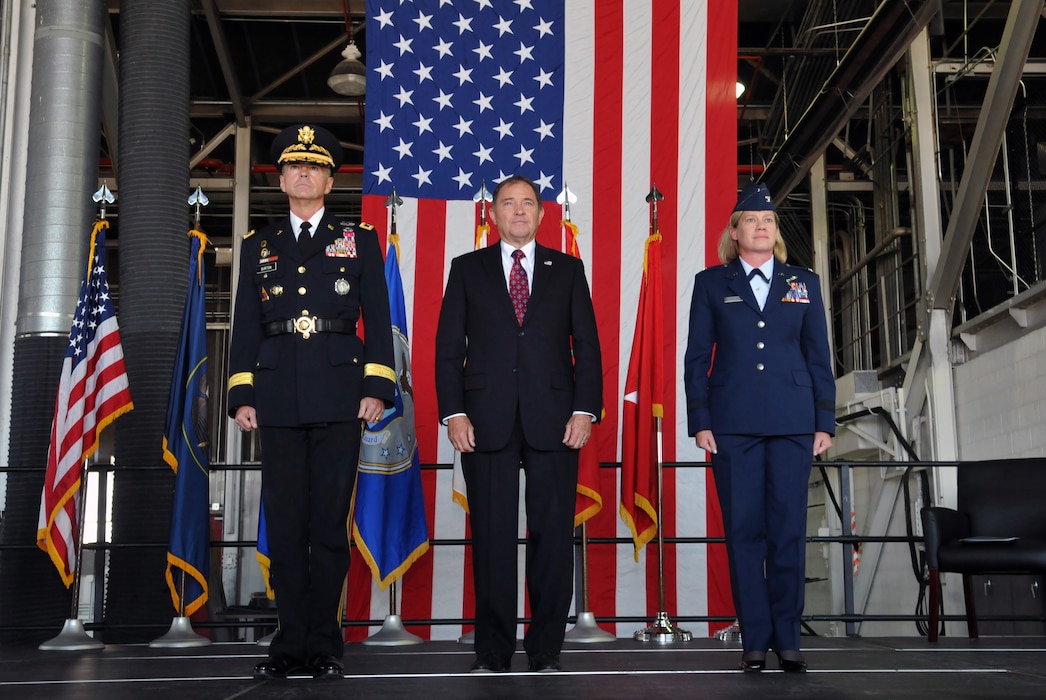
point(772, 371)
point(305, 377)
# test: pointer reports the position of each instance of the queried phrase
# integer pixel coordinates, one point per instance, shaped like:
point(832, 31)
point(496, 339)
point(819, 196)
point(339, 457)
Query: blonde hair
point(728, 250)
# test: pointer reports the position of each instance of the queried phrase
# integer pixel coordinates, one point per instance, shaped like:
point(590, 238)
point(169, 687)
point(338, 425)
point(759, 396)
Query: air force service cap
point(755, 197)
point(304, 143)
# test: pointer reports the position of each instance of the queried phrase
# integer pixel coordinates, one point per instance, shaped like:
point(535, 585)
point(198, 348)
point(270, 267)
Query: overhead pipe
point(888, 34)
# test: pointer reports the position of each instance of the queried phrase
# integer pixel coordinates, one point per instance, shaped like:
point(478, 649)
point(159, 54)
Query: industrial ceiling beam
point(883, 41)
point(984, 149)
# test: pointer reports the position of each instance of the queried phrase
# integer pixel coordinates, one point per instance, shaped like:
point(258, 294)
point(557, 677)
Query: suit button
point(301, 269)
point(761, 324)
point(522, 333)
point(301, 291)
point(515, 370)
point(759, 366)
point(759, 345)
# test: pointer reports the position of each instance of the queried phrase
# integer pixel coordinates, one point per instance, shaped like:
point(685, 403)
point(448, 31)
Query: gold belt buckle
point(306, 325)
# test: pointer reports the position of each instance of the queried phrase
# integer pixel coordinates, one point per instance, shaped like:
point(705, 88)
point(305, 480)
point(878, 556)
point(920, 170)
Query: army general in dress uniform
point(300, 373)
point(761, 399)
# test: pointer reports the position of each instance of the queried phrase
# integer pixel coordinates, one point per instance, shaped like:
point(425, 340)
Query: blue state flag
point(185, 437)
point(389, 527)
point(264, 561)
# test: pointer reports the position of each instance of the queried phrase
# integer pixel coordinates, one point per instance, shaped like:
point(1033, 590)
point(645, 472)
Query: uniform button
point(761, 324)
point(522, 333)
point(759, 345)
point(514, 370)
point(301, 269)
point(301, 291)
point(759, 366)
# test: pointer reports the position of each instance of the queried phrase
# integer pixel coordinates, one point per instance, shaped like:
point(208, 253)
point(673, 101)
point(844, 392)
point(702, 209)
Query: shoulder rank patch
point(365, 226)
point(248, 234)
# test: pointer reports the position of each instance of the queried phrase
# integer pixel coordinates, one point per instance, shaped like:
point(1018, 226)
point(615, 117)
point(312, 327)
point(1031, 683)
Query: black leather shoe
point(794, 664)
point(275, 667)
point(326, 667)
point(545, 663)
point(489, 665)
point(753, 664)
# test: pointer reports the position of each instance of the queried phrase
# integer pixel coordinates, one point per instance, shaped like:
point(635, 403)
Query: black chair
point(999, 527)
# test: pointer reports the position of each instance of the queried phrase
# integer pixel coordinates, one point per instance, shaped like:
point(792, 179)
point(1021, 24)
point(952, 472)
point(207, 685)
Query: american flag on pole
point(605, 96)
point(92, 393)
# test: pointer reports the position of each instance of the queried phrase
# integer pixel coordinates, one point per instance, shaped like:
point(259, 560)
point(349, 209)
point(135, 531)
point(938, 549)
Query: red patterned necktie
point(517, 286)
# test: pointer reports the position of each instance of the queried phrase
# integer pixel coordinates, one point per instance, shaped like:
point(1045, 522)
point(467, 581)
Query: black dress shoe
point(793, 663)
point(488, 664)
point(326, 667)
point(275, 667)
point(545, 663)
point(753, 664)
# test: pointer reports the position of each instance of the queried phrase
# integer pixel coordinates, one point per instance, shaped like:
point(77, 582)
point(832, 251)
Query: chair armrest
point(941, 526)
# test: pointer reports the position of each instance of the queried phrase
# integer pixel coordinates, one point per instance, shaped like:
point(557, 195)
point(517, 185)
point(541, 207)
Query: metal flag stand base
point(266, 640)
point(587, 631)
point(73, 637)
point(729, 634)
point(468, 638)
point(180, 635)
point(392, 634)
point(662, 631)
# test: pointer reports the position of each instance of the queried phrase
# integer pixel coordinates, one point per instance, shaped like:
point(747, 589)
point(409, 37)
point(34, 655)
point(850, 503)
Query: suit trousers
point(762, 481)
point(492, 479)
point(308, 474)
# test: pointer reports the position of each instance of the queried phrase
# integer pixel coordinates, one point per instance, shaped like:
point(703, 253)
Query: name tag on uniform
point(732, 300)
point(267, 265)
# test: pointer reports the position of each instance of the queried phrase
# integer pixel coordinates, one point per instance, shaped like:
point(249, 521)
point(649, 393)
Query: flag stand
point(729, 634)
point(662, 629)
point(392, 632)
point(181, 634)
point(73, 636)
point(586, 630)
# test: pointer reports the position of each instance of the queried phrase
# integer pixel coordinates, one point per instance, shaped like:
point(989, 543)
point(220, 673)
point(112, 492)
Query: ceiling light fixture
point(740, 89)
point(349, 77)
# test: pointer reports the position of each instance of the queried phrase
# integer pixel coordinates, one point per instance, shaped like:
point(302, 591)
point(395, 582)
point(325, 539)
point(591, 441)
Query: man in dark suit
point(299, 371)
point(763, 407)
point(519, 381)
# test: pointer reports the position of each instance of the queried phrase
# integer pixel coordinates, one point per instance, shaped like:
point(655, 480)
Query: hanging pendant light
point(349, 77)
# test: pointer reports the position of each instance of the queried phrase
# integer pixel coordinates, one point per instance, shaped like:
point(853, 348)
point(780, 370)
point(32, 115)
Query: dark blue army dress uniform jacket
point(296, 356)
point(772, 371)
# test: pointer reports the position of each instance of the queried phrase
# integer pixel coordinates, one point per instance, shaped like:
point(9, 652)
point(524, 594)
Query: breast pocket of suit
point(341, 276)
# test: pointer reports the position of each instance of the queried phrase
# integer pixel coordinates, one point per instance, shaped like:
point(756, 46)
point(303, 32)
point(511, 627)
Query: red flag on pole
point(643, 404)
point(588, 500)
point(92, 393)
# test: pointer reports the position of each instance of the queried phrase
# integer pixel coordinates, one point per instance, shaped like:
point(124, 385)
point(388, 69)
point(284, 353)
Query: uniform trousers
point(762, 483)
point(492, 479)
point(308, 474)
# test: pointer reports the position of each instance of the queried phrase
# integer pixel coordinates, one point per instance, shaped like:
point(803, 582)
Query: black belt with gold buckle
point(307, 325)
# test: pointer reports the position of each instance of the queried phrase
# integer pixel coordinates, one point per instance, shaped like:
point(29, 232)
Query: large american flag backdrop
point(607, 97)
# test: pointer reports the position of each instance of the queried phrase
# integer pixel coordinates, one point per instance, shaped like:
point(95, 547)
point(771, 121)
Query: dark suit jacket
point(487, 364)
point(291, 380)
point(772, 371)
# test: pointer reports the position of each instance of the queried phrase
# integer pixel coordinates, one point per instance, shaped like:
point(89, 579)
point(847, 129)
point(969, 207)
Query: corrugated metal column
point(154, 252)
point(61, 174)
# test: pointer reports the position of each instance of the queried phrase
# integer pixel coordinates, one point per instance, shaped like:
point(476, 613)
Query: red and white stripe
point(650, 99)
point(91, 394)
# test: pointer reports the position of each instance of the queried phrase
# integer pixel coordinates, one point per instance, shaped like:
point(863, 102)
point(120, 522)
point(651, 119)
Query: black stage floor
point(898, 667)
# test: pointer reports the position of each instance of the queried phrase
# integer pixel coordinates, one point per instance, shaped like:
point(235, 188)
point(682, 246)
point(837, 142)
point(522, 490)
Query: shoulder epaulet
point(248, 234)
point(365, 226)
